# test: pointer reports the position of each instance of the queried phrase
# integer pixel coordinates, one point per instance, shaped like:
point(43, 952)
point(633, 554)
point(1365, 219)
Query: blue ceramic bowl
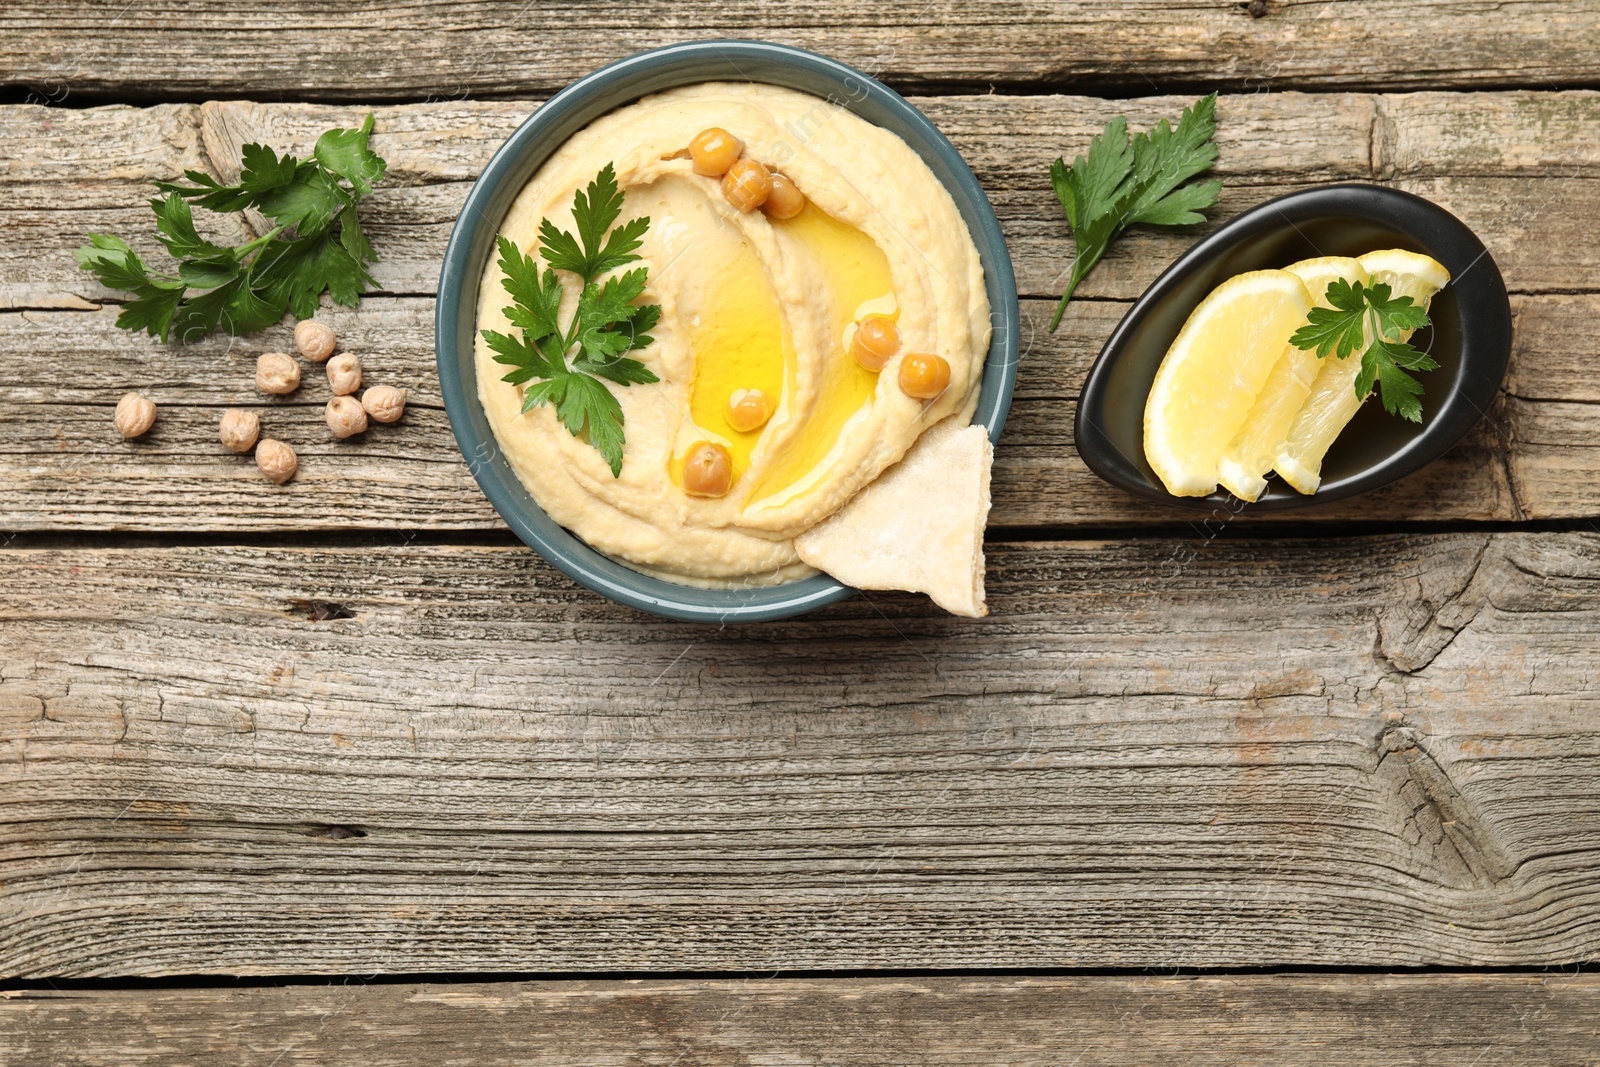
point(566, 113)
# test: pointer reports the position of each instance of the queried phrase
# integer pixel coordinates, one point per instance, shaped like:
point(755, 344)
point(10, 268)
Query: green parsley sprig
point(316, 245)
point(1360, 312)
point(605, 324)
point(1122, 183)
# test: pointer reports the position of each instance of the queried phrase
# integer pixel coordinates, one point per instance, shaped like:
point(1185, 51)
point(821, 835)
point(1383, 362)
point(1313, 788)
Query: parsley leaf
point(345, 153)
point(1360, 312)
point(1340, 329)
point(261, 171)
point(594, 211)
point(232, 305)
point(536, 305)
point(175, 226)
point(117, 264)
point(295, 273)
point(1121, 183)
point(605, 325)
point(587, 405)
point(1398, 313)
point(119, 267)
point(309, 203)
point(538, 299)
point(1388, 361)
point(316, 245)
point(153, 312)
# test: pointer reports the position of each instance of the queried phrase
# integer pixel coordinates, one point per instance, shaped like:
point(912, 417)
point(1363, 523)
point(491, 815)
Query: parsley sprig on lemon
point(1237, 397)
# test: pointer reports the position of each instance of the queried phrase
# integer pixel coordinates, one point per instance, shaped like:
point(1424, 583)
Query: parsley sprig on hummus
point(605, 325)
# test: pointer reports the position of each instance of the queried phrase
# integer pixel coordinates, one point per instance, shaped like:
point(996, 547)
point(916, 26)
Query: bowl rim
point(1485, 318)
point(572, 109)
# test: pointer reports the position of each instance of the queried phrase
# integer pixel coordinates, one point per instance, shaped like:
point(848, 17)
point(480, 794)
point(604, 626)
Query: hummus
point(748, 302)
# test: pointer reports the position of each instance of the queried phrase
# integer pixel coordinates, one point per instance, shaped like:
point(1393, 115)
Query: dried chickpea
point(713, 151)
point(277, 373)
point(314, 339)
point(747, 185)
point(276, 460)
point(708, 471)
point(876, 341)
point(785, 201)
point(346, 417)
point(135, 415)
point(344, 374)
point(924, 375)
point(384, 403)
point(749, 409)
point(239, 429)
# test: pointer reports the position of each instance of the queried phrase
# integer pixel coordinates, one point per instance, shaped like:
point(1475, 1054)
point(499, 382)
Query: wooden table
point(342, 773)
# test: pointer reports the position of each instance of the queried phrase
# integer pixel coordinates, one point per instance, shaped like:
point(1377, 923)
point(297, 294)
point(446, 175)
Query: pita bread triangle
point(919, 526)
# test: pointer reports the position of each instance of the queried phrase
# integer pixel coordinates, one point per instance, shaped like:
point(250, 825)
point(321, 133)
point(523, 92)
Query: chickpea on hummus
point(822, 305)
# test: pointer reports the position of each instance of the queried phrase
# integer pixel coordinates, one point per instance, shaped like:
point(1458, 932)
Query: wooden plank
point(68, 472)
point(1511, 1020)
point(435, 150)
point(418, 50)
point(1440, 144)
point(1532, 135)
point(1385, 754)
point(62, 466)
point(1552, 357)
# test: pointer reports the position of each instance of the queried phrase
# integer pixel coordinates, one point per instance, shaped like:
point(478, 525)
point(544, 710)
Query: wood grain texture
point(1197, 751)
point(436, 150)
point(63, 466)
point(1519, 1020)
point(1448, 146)
point(423, 49)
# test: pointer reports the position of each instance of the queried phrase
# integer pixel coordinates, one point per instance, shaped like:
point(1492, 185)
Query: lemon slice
point(1332, 402)
point(1250, 455)
point(1212, 373)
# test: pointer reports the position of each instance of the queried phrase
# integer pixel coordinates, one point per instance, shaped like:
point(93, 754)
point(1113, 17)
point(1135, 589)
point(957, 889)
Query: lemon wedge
point(1332, 402)
point(1213, 372)
point(1250, 455)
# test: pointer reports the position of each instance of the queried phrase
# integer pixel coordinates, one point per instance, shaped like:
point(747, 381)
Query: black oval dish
point(1470, 337)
